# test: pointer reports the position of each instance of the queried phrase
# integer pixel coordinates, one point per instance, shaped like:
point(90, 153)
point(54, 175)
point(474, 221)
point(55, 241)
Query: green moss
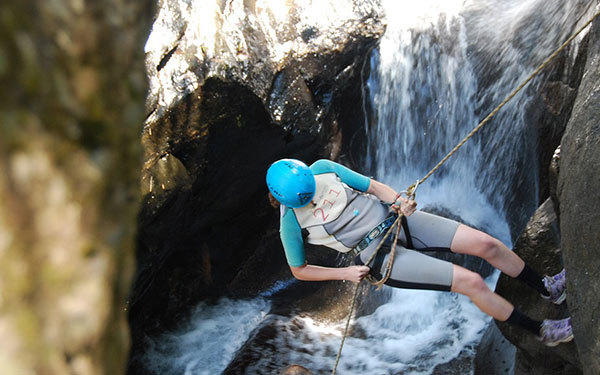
point(56, 280)
point(18, 281)
point(29, 327)
point(83, 101)
point(3, 62)
point(90, 251)
point(17, 128)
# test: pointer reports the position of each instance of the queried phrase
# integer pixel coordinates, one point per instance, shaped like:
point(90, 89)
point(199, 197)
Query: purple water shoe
point(556, 286)
point(553, 332)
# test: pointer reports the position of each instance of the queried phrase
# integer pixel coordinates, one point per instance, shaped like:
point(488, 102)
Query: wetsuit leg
point(411, 269)
point(429, 231)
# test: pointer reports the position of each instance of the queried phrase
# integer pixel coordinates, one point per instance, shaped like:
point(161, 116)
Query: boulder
point(551, 110)
point(495, 355)
point(71, 108)
point(549, 239)
point(578, 192)
point(235, 86)
point(539, 247)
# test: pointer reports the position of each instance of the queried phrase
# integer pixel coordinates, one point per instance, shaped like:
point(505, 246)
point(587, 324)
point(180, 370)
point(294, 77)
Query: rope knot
point(412, 189)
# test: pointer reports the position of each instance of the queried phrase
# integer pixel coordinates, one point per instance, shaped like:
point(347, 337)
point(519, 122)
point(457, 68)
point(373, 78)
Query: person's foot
point(556, 287)
point(553, 332)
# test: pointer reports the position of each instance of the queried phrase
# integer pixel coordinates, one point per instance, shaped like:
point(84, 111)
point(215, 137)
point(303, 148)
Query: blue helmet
point(291, 182)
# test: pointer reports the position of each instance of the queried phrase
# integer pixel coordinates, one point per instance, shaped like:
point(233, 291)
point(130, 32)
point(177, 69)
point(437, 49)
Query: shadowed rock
point(538, 245)
point(71, 109)
point(578, 192)
point(261, 83)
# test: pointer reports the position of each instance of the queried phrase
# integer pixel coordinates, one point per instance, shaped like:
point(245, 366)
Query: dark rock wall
point(205, 227)
point(539, 246)
point(71, 105)
point(495, 354)
point(571, 238)
point(579, 196)
point(551, 110)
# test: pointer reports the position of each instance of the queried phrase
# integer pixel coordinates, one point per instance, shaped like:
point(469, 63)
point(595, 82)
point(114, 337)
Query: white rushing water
point(206, 344)
point(426, 93)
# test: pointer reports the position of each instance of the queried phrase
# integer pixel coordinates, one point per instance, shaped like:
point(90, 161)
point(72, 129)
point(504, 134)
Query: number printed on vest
point(325, 202)
point(337, 193)
point(322, 214)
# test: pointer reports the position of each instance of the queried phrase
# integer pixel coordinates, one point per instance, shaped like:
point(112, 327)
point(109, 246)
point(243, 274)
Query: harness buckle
point(373, 234)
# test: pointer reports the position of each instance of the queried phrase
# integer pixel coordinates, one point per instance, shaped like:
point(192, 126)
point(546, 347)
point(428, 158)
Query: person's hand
point(356, 273)
point(406, 206)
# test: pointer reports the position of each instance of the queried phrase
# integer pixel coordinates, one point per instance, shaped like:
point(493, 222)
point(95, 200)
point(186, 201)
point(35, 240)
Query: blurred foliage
point(72, 91)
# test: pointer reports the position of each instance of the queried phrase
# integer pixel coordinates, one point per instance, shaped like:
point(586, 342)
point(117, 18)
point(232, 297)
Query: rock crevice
point(571, 238)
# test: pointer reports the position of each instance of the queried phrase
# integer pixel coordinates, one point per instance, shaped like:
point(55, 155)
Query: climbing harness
point(374, 234)
point(411, 190)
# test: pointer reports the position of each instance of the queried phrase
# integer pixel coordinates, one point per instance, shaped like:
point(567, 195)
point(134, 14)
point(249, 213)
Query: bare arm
point(309, 272)
point(388, 195)
point(382, 191)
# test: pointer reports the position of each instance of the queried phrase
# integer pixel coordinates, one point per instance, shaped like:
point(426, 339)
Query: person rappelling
point(349, 212)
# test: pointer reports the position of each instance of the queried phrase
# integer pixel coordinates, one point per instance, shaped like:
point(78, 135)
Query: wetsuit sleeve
point(291, 238)
point(353, 179)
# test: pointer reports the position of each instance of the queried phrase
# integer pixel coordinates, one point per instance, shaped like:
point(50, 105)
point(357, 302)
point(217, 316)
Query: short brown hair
point(272, 201)
point(295, 370)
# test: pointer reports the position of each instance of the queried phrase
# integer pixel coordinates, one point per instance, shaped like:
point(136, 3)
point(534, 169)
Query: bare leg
point(473, 242)
point(472, 285)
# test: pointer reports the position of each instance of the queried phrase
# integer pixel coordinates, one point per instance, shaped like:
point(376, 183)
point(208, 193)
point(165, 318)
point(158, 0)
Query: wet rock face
point(538, 246)
point(235, 86)
point(495, 354)
point(570, 239)
point(71, 108)
point(578, 192)
point(552, 109)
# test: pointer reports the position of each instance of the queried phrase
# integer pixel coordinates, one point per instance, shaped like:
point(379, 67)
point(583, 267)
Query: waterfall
point(424, 91)
point(440, 67)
